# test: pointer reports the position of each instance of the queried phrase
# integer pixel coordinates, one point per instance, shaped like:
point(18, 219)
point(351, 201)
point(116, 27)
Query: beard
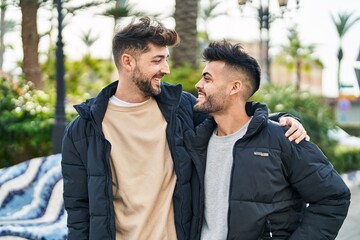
point(211, 104)
point(143, 83)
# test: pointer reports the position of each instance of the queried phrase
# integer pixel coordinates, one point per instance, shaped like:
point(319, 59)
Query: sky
point(313, 20)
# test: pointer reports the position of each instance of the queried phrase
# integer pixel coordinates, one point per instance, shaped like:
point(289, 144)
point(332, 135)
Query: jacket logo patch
point(261, 154)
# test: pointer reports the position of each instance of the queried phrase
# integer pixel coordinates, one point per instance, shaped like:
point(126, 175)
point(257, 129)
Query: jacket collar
point(259, 112)
point(169, 99)
point(94, 109)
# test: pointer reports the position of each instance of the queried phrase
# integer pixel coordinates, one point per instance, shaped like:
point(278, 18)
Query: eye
point(157, 60)
point(207, 79)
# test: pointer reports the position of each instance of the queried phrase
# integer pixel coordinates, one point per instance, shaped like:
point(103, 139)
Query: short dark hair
point(235, 57)
point(136, 36)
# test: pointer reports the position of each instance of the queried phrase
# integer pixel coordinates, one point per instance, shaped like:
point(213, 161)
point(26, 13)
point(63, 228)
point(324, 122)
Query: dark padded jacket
point(272, 179)
point(86, 170)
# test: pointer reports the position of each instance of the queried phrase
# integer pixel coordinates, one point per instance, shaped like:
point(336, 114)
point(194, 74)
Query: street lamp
point(59, 126)
point(265, 19)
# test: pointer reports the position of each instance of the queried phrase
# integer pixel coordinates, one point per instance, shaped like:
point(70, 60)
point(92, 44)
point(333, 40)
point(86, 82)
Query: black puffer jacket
point(86, 171)
point(272, 179)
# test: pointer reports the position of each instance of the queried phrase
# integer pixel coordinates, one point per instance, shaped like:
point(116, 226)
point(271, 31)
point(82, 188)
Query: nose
point(198, 85)
point(165, 68)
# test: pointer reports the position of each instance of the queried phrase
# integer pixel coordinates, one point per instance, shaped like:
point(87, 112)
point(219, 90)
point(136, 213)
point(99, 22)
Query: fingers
point(300, 138)
point(292, 123)
point(296, 132)
point(285, 121)
point(299, 135)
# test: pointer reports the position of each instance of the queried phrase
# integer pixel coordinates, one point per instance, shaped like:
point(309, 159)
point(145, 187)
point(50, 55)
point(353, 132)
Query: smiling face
point(213, 88)
point(149, 68)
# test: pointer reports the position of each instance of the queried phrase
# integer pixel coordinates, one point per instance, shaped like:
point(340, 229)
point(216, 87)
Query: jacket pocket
point(276, 226)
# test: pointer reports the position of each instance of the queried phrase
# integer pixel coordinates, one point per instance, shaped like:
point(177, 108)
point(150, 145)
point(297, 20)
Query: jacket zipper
point(230, 187)
point(172, 149)
point(201, 202)
point(107, 158)
point(108, 172)
point(269, 224)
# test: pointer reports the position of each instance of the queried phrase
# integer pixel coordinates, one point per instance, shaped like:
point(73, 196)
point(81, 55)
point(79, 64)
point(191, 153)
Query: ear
point(127, 62)
point(236, 87)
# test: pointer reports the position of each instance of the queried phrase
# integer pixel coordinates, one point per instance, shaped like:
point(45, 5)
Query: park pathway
point(351, 227)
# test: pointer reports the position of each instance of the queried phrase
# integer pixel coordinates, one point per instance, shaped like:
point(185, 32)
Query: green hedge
point(26, 122)
point(27, 114)
point(346, 159)
point(352, 129)
point(186, 76)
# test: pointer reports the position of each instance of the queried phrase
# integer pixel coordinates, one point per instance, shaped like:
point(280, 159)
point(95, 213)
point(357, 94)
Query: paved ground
point(351, 227)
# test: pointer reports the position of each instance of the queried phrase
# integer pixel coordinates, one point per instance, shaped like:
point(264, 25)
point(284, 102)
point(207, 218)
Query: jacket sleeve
point(277, 115)
point(75, 189)
point(314, 178)
point(251, 106)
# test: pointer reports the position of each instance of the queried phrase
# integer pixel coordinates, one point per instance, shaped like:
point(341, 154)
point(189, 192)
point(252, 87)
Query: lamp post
point(265, 19)
point(59, 126)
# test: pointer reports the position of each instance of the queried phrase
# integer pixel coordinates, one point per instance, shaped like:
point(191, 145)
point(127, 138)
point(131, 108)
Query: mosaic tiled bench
point(31, 203)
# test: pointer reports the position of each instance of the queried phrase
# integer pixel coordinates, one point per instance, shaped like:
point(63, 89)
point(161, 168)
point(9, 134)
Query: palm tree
point(123, 9)
point(297, 56)
point(30, 36)
point(343, 22)
point(208, 13)
point(89, 40)
point(186, 13)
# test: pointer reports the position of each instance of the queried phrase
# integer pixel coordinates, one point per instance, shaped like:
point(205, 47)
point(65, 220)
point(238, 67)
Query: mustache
point(202, 92)
point(159, 75)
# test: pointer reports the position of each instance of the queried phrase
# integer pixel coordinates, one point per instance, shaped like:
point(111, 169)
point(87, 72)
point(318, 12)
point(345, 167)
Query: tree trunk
point(30, 41)
point(186, 12)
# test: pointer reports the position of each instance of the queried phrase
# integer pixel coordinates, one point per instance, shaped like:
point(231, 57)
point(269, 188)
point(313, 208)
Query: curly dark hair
point(236, 58)
point(136, 36)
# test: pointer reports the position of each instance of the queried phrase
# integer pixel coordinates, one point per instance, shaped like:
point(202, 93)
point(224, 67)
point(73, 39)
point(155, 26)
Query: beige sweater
point(142, 172)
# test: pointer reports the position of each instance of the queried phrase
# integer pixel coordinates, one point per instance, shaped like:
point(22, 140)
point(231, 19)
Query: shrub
point(84, 78)
point(25, 122)
point(352, 129)
point(27, 114)
point(346, 159)
point(186, 76)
